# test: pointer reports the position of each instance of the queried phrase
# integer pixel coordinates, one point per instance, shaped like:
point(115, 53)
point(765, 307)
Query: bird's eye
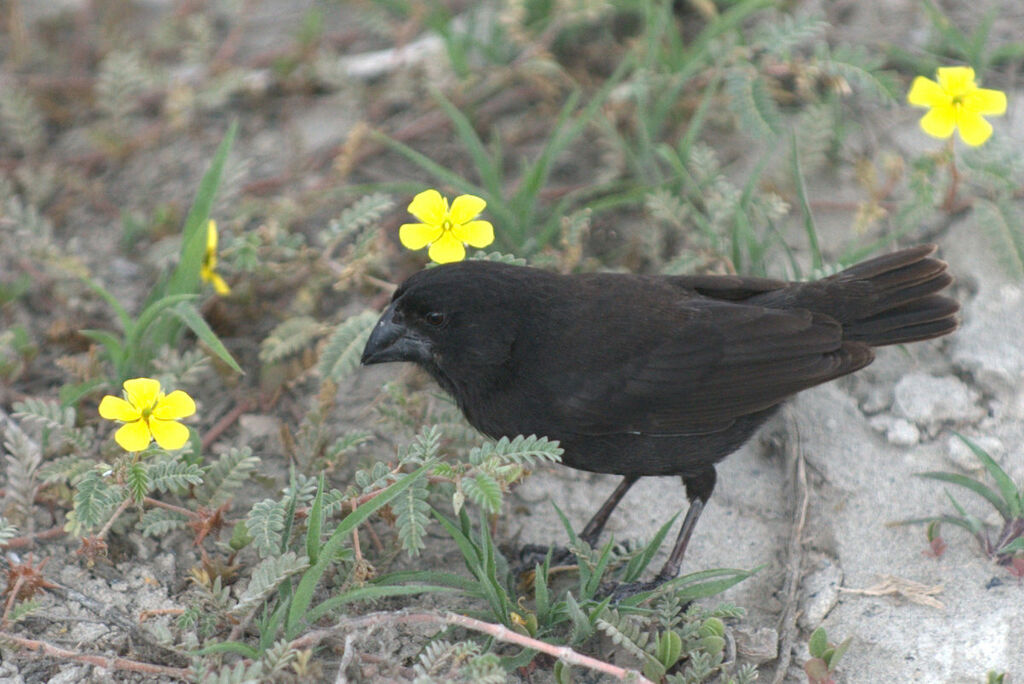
point(434, 318)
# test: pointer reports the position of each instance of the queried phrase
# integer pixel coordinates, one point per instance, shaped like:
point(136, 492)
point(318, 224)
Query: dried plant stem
point(498, 632)
point(102, 534)
point(224, 423)
point(794, 565)
point(105, 662)
point(29, 540)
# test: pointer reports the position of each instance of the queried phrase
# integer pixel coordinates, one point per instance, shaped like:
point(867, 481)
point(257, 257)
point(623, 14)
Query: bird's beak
point(393, 341)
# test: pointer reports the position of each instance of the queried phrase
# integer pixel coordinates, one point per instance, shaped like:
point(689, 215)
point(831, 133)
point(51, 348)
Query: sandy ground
point(846, 453)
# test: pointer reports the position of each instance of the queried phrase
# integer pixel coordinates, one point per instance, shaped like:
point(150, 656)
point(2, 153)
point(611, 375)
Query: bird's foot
point(532, 555)
point(619, 591)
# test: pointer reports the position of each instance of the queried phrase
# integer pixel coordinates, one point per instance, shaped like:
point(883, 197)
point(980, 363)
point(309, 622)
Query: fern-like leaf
point(859, 68)
point(158, 522)
point(44, 414)
point(226, 476)
point(289, 338)
point(521, 450)
point(266, 577)
point(412, 514)
point(93, 497)
point(483, 490)
point(750, 101)
point(175, 476)
point(265, 523)
point(342, 351)
point(7, 531)
point(368, 210)
point(137, 479)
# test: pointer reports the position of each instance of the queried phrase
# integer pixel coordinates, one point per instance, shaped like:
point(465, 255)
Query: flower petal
point(956, 81)
point(985, 101)
point(465, 208)
point(116, 408)
point(418, 235)
point(925, 92)
point(219, 286)
point(447, 249)
point(939, 122)
point(475, 233)
point(175, 405)
point(211, 236)
point(429, 207)
point(133, 436)
point(142, 392)
point(168, 434)
point(974, 130)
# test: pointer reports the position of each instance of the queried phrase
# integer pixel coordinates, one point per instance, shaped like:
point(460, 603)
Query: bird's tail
point(890, 299)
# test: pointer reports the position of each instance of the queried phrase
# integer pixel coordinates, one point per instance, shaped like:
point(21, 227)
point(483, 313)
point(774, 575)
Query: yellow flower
point(207, 270)
point(956, 103)
point(148, 414)
point(447, 231)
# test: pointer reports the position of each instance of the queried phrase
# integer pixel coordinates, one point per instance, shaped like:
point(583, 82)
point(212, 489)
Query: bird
point(650, 375)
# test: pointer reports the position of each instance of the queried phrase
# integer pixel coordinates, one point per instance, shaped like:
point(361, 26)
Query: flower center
point(447, 225)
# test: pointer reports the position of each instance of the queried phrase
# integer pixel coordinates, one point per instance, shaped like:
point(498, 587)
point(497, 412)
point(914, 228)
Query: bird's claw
point(619, 591)
point(532, 555)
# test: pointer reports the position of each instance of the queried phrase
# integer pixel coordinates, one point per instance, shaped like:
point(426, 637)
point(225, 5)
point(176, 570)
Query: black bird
point(641, 375)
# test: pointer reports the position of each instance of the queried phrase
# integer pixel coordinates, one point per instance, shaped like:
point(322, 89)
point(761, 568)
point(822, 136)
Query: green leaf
point(185, 279)
point(122, 314)
point(235, 647)
point(340, 355)
point(138, 482)
point(311, 578)
point(805, 206)
point(695, 585)
point(975, 486)
point(1007, 488)
point(837, 654)
point(483, 490)
point(818, 643)
point(265, 523)
point(1016, 546)
point(190, 316)
point(638, 563)
point(316, 520)
point(438, 577)
point(371, 593)
point(582, 628)
point(110, 342)
point(485, 167)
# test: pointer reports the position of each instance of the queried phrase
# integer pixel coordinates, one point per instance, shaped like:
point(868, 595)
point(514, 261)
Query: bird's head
point(452, 318)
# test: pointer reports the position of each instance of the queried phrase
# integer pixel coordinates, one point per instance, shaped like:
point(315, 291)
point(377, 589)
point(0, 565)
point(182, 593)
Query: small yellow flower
point(148, 414)
point(447, 231)
point(956, 103)
point(207, 270)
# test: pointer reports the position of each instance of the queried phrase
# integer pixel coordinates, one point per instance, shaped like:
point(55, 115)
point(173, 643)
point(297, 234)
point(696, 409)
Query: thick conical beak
point(393, 341)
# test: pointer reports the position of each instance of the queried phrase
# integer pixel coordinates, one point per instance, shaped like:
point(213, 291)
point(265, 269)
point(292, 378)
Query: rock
point(989, 345)
point(928, 400)
point(898, 431)
point(820, 591)
point(757, 645)
point(961, 456)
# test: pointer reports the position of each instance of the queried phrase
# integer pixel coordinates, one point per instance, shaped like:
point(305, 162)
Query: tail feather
point(893, 299)
point(890, 299)
point(920, 319)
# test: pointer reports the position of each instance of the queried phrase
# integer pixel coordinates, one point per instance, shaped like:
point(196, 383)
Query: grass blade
point(975, 486)
point(1007, 488)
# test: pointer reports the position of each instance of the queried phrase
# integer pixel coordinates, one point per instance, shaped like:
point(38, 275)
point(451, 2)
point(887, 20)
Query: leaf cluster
point(1007, 498)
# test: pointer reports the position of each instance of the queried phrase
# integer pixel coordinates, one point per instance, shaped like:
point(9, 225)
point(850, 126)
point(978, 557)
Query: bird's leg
point(698, 491)
point(592, 531)
point(531, 554)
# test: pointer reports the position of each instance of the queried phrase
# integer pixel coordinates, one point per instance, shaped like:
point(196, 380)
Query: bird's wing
point(698, 372)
